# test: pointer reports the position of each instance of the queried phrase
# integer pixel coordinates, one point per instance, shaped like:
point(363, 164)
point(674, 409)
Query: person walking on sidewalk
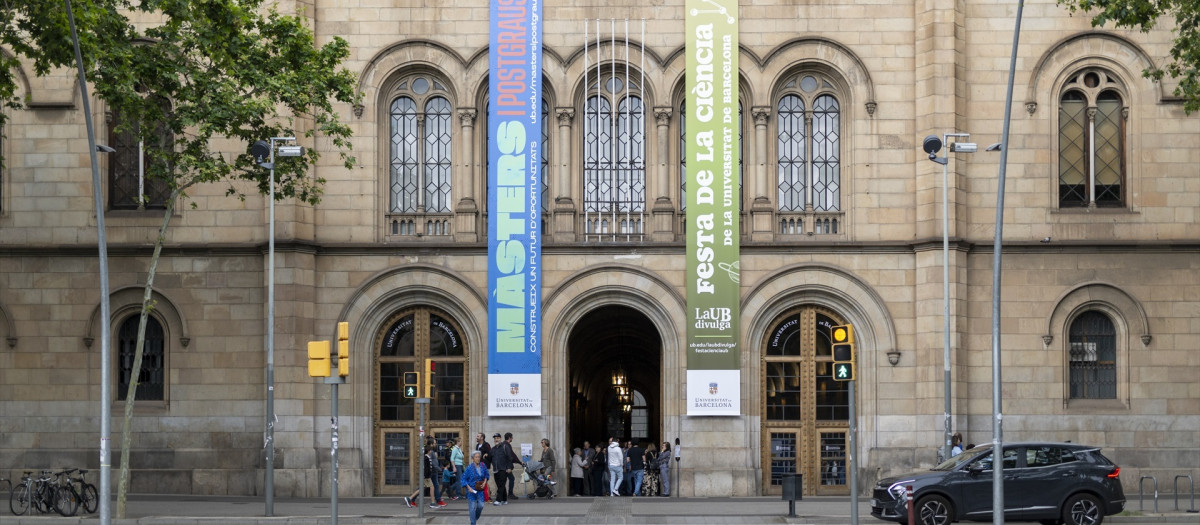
point(433, 472)
point(474, 480)
point(549, 462)
point(616, 463)
point(485, 452)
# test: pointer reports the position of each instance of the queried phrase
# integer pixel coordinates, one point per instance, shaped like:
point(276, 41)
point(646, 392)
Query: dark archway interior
point(604, 340)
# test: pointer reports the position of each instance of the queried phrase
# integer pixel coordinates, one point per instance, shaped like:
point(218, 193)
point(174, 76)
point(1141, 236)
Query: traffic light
point(843, 352)
point(429, 367)
point(343, 329)
point(411, 382)
point(318, 359)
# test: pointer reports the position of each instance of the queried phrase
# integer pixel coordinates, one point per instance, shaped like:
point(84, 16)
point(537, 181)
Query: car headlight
point(898, 490)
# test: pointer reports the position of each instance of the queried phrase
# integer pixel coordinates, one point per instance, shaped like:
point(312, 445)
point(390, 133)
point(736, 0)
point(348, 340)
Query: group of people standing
point(446, 472)
point(618, 470)
point(621, 469)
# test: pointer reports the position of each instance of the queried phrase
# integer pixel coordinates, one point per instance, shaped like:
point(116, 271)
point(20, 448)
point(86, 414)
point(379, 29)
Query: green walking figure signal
point(411, 380)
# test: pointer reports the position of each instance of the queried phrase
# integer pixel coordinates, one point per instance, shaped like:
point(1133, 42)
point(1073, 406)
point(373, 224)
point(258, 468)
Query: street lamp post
point(261, 150)
point(957, 146)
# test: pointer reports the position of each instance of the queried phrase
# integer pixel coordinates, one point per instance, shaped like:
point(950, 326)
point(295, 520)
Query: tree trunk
point(136, 369)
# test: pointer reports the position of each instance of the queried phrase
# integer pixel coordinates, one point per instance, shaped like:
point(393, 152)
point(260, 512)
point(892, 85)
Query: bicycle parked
point(89, 498)
point(44, 494)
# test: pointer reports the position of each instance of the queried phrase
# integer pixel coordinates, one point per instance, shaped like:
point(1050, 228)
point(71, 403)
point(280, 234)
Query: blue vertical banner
point(514, 208)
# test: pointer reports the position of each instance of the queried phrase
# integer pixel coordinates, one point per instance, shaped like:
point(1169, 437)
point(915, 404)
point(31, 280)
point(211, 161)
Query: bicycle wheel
point(18, 500)
point(66, 502)
point(90, 499)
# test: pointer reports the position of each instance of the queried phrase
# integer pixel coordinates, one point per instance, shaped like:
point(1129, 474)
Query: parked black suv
point(1048, 482)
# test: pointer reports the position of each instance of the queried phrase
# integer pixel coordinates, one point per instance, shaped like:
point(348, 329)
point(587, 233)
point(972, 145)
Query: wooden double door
point(806, 413)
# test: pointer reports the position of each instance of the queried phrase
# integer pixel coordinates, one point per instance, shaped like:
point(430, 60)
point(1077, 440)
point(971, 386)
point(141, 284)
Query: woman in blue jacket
point(471, 475)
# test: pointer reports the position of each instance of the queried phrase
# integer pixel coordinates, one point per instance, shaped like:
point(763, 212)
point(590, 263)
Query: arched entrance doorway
point(405, 340)
point(806, 413)
point(609, 348)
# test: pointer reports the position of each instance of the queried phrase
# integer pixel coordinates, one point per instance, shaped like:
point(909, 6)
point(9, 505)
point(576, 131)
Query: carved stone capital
point(760, 114)
point(1146, 339)
point(565, 115)
point(1125, 113)
point(1091, 113)
point(1047, 339)
point(662, 115)
point(12, 342)
point(466, 117)
point(871, 107)
point(358, 110)
point(1031, 108)
point(87, 341)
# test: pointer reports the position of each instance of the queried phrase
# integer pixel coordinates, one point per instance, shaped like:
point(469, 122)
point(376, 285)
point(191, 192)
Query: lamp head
point(260, 150)
point(932, 145)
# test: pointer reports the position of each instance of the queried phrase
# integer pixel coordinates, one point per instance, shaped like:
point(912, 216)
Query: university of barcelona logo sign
point(514, 388)
point(712, 388)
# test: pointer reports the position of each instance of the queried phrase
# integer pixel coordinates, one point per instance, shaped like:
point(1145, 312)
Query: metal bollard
point(1141, 502)
point(1191, 491)
point(908, 496)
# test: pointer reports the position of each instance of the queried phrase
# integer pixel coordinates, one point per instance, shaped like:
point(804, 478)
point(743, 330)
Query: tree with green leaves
point(1144, 15)
point(202, 70)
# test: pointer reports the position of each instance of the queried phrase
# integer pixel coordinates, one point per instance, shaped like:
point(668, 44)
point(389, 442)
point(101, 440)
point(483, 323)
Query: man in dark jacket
point(587, 468)
point(637, 466)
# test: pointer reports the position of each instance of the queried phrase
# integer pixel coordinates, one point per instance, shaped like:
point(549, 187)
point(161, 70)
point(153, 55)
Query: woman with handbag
point(474, 478)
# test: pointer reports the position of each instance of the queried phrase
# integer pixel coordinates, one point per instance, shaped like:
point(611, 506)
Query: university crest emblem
point(514, 388)
point(712, 388)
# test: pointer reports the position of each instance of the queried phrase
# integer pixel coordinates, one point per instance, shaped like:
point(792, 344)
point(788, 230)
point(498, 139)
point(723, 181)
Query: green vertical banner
point(713, 353)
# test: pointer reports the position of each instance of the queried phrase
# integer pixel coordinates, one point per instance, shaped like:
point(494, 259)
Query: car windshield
point(965, 457)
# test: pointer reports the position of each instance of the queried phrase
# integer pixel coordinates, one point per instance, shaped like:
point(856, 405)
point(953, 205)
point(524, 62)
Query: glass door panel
point(781, 456)
point(832, 462)
point(397, 464)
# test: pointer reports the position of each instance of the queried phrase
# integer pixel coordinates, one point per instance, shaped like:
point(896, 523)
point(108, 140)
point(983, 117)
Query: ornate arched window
point(1091, 141)
point(614, 152)
point(139, 169)
point(420, 153)
point(1092, 356)
point(808, 154)
point(151, 378)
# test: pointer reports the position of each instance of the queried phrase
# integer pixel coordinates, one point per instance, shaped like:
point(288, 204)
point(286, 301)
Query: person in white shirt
point(616, 462)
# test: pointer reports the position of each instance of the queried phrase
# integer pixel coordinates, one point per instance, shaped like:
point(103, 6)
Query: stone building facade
point(841, 216)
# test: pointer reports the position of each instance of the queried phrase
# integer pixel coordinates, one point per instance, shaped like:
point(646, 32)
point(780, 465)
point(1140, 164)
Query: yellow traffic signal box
point(843, 352)
point(343, 330)
point(429, 369)
point(318, 359)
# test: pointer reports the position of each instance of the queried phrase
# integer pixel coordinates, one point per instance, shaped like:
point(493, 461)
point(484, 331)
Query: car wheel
point(933, 510)
point(1082, 509)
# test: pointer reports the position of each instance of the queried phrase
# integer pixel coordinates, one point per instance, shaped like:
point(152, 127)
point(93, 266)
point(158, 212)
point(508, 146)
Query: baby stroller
point(542, 488)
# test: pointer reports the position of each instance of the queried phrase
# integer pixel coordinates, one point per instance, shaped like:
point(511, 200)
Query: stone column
point(564, 205)
point(467, 211)
point(663, 210)
point(762, 212)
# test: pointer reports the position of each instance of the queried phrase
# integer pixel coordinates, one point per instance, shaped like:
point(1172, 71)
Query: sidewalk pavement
point(236, 510)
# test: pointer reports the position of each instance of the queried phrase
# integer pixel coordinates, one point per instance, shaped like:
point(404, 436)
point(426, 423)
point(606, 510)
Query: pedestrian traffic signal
point(343, 329)
point(842, 337)
point(318, 359)
point(411, 384)
point(429, 367)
